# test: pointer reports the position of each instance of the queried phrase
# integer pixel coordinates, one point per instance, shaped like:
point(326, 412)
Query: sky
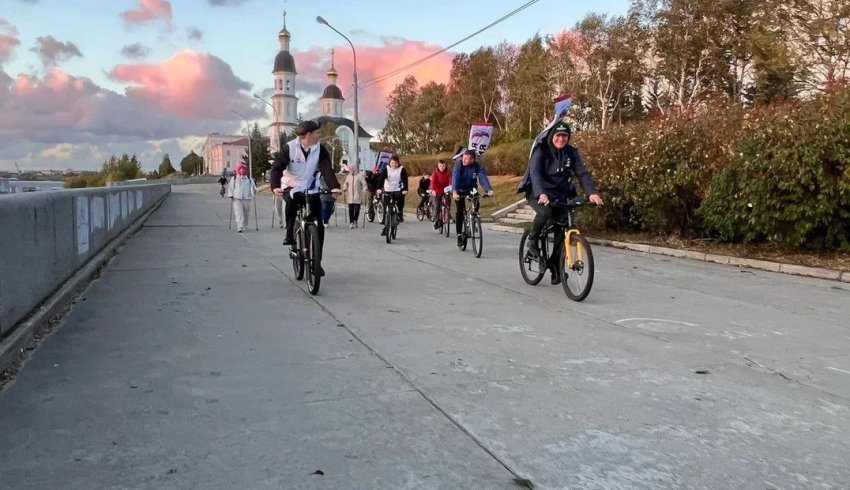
point(81, 80)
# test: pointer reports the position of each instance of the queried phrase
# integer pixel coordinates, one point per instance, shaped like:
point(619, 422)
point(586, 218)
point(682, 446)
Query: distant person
point(222, 181)
point(354, 189)
point(423, 188)
point(465, 176)
point(440, 179)
point(241, 191)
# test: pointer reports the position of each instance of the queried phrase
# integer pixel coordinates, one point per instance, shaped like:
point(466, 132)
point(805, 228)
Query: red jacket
point(440, 180)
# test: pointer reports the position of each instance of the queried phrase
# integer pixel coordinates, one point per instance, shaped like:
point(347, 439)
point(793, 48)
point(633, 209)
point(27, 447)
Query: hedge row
point(779, 174)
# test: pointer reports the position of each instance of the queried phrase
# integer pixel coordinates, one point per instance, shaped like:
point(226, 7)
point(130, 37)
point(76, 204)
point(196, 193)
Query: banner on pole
point(562, 106)
point(382, 161)
point(480, 135)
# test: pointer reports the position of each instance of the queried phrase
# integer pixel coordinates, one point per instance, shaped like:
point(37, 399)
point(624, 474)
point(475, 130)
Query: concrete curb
point(52, 308)
point(507, 209)
point(765, 265)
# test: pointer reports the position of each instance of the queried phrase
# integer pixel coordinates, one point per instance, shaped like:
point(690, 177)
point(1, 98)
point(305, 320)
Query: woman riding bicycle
point(440, 179)
point(393, 182)
point(549, 178)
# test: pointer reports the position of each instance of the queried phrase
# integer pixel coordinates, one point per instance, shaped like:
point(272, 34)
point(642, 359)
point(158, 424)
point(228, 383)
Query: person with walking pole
point(241, 192)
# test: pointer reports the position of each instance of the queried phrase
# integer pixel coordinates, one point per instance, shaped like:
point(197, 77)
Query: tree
point(426, 117)
point(165, 168)
point(117, 169)
point(260, 154)
point(822, 37)
point(473, 93)
point(529, 89)
point(397, 129)
point(192, 164)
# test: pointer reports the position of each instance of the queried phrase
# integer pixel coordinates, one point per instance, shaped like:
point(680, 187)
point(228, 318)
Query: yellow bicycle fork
point(569, 253)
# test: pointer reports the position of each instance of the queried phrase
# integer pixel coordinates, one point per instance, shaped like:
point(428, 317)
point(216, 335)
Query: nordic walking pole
point(230, 219)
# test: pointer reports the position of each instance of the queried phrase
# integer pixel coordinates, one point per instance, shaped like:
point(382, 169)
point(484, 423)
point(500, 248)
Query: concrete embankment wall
point(47, 236)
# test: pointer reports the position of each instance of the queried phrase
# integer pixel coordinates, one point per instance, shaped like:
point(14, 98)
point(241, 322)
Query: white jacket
point(241, 187)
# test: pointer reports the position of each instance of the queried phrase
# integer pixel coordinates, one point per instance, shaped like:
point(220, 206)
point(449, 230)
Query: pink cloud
point(372, 62)
point(8, 40)
point(190, 84)
point(149, 11)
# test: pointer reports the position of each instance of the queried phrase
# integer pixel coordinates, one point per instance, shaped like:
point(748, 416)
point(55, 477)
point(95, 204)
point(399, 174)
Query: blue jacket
point(551, 171)
point(464, 178)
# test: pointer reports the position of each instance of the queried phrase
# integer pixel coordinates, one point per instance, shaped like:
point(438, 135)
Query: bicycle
point(425, 209)
point(446, 212)
point(575, 263)
point(472, 223)
point(375, 209)
point(391, 217)
point(221, 191)
point(306, 254)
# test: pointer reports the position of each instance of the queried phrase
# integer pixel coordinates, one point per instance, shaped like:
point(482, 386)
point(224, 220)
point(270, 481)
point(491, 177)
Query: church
point(285, 105)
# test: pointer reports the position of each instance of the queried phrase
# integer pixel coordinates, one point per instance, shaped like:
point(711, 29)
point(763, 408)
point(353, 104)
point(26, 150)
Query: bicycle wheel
point(379, 211)
point(314, 263)
point(448, 221)
point(532, 270)
point(395, 232)
point(577, 278)
point(477, 235)
point(420, 211)
point(297, 254)
point(464, 236)
point(370, 212)
point(431, 210)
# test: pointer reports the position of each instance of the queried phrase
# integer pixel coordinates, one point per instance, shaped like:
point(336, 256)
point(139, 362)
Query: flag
point(480, 135)
point(562, 106)
point(382, 161)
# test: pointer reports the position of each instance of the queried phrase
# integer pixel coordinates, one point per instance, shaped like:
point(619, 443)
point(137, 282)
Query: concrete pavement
point(197, 361)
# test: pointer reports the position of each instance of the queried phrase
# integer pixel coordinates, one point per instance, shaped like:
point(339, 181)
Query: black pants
point(544, 214)
point(314, 206)
point(399, 199)
point(353, 212)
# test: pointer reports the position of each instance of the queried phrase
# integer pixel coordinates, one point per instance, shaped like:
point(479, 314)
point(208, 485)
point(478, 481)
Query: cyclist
point(440, 179)
point(465, 176)
point(393, 179)
point(295, 176)
point(222, 181)
point(551, 168)
point(424, 186)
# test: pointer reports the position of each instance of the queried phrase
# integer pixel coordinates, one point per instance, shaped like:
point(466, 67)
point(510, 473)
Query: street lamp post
point(250, 166)
point(274, 110)
point(321, 20)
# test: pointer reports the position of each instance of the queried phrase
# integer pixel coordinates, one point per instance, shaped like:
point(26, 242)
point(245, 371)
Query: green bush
point(789, 180)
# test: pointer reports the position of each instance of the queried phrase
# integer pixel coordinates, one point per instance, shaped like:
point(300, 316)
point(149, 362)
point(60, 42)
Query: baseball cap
point(305, 127)
point(562, 128)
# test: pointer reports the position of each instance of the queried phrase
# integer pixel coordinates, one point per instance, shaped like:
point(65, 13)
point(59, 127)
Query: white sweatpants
point(240, 210)
point(278, 206)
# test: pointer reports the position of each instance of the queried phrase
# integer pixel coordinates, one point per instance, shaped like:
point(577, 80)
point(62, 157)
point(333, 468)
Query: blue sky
point(236, 45)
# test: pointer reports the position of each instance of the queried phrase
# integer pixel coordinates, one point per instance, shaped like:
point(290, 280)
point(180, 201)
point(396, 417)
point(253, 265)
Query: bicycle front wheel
point(420, 212)
point(577, 276)
point(379, 212)
point(532, 270)
point(298, 255)
point(314, 263)
point(477, 235)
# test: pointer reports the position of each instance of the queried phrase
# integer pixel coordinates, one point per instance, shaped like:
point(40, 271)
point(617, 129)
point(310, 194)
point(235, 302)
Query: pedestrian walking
point(241, 190)
point(354, 189)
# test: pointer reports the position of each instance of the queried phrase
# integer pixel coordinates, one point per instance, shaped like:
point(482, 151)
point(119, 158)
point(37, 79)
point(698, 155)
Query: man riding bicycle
point(440, 179)
point(295, 176)
point(551, 168)
point(465, 177)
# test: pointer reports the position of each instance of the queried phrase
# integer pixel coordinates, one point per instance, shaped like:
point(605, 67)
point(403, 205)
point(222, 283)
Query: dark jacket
point(551, 171)
point(382, 177)
point(281, 161)
point(424, 186)
point(466, 177)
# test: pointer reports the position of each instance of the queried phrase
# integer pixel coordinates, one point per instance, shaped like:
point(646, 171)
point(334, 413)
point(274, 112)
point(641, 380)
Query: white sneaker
point(351, 226)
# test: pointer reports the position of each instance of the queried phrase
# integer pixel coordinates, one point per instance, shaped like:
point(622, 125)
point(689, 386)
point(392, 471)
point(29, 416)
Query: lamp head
point(321, 20)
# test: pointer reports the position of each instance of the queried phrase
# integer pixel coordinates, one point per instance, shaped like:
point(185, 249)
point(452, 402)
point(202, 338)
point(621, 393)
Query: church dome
point(284, 62)
point(283, 33)
point(332, 92)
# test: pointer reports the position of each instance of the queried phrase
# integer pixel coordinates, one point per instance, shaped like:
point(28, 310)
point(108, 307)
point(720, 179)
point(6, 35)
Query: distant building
point(216, 158)
point(286, 106)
